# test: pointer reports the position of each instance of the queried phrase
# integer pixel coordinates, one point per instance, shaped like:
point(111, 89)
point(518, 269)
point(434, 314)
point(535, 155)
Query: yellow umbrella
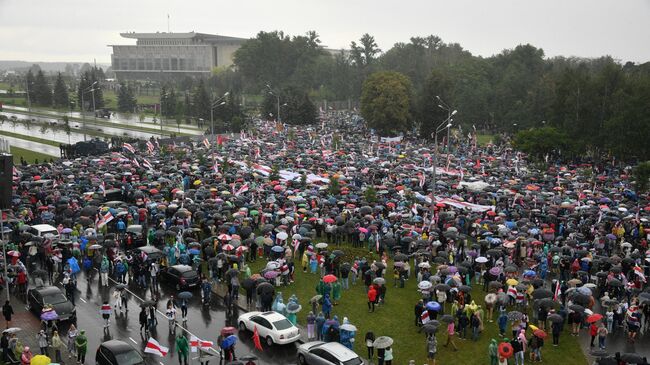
point(40, 360)
point(512, 281)
point(533, 327)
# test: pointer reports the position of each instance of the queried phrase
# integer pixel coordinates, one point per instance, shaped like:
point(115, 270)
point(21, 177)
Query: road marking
point(161, 363)
point(83, 300)
point(132, 340)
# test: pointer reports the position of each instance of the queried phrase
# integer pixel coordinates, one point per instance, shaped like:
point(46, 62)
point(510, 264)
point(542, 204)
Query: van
point(44, 230)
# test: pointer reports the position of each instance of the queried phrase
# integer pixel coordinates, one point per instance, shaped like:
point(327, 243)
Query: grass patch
point(30, 138)
point(29, 156)
point(396, 319)
point(484, 139)
point(110, 99)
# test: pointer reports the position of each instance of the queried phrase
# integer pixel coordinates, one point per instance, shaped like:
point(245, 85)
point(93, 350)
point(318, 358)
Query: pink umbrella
point(363, 230)
point(228, 247)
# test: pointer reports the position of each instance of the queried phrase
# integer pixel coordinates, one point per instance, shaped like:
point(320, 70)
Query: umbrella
point(424, 285)
point(481, 260)
point(348, 327)
point(95, 247)
point(496, 271)
point(465, 288)
point(272, 265)
point(338, 253)
point(539, 333)
point(248, 283)
point(120, 286)
point(545, 302)
point(542, 293)
point(12, 330)
point(442, 287)
point(232, 272)
point(379, 281)
point(515, 316)
point(447, 318)
point(315, 298)
point(555, 318)
point(329, 278)
point(228, 341)
point(278, 249)
point(491, 298)
point(248, 358)
point(49, 315)
point(382, 342)
point(147, 303)
point(40, 360)
point(433, 306)
point(632, 358)
point(493, 285)
point(512, 282)
point(424, 265)
point(321, 245)
point(594, 318)
point(293, 307)
point(429, 328)
point(271, 274)
point(185, 295)
point(577, 308)
point(265, 288)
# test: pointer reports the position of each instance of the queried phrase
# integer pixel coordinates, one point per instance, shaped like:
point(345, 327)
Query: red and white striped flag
point(206, 143)
point(128, 147)
point(425, 317)
point(105, 219)
point(147, 164)
point(150, 147)
point(195, 343)
point(102, 187)
point(639, 272)
point(136, 163)
point(414, 209)
point(422, 177)
point(153, 347)
point(556, 293)
point(105, 309)
point(242, 189)
point(215, 167)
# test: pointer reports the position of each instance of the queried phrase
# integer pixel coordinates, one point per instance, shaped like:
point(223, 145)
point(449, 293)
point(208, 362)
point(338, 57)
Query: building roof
point(166, 35)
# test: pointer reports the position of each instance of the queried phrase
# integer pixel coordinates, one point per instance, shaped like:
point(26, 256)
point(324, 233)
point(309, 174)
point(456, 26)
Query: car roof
point(46, 290)
point(183, 268)
point(272, 316)
point(117, 346)
point(44, 227)
point(337, 350)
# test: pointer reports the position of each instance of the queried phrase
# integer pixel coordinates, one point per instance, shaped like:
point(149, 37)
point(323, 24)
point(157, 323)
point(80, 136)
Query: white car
point(326, 353)
point(272, 327)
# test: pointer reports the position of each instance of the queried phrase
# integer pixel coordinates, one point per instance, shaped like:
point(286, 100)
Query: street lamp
point(87, 90)
point(450, 112)
point(214, 105)
point(278, 100)
point(4, 230)
point(446, 124)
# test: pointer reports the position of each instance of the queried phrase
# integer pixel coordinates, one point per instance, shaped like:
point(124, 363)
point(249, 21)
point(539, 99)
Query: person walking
point(451, 332)
point(7, 312)
point(81, 343)
point(4, 345)
point(42, 342)
point(388, 356)
point(370, 339)
point(372, 297)
point(311, 323)
point(105, 311)
point(555, 332)
point(602, 335)
point(57, 345)
point(593, 332)
point(432, 349)
point(72, 336)
point(493, 352)
point(182, 346)
point(26, 356)
point(143, 319)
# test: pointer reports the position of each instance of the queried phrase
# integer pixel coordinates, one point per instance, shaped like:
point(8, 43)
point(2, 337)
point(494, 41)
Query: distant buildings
point(157, 56)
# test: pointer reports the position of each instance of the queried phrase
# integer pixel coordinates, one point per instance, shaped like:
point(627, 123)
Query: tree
point(31, 89)
point(42, 90)
point(386, 102)
point(66, 126)
point(430, 115)
point(540, 142)
point(642, 177)
point(61, 97)
point(168, 101)
point(89, 88)
point(126, 101)
point(295, 107)
point(201, 101)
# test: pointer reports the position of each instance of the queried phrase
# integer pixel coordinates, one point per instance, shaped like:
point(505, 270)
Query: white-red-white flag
point(153, 347)
point(128, 147)
point(242, 190)
point(425, 317)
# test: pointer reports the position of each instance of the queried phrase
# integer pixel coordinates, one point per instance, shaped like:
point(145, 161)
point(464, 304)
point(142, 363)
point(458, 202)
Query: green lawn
point(110, 99)
point(483, 139)
point(396, 319)
point(28, 155)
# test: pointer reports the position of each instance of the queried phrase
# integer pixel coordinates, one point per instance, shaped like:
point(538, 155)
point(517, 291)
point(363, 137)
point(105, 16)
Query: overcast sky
point(80, 30)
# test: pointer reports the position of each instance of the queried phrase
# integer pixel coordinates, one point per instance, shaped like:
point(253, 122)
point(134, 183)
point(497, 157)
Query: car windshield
point(282, 324)
point(129, 358)
point(55, 298)
point(188, 274)
point(355, 361)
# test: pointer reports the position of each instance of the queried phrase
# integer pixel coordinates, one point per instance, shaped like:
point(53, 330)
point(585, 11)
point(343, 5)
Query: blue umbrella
point(228, 342)
point(433, 306)
point(529, 273)
point(74, 265)
point(194, 251)
point(185, 295)
point(277, 249)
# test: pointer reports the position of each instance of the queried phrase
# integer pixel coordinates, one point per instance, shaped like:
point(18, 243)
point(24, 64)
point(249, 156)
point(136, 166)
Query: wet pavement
point(33, 146)
point(204, 322)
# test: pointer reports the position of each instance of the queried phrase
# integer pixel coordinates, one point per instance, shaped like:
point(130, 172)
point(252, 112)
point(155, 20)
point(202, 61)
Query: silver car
point(326, 353)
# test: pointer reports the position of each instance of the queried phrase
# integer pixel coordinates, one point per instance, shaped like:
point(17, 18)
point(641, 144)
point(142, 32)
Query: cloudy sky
point(80, 30)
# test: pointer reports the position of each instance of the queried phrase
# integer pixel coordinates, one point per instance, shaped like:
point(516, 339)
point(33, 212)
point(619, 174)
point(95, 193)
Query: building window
point(140, 64)
point(174, 64)
point(132, 64)
point(156, 64)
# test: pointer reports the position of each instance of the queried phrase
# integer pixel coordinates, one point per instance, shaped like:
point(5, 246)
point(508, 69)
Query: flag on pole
point(136, 163)
point(242, 190)
point(105, 219)
point(150, 147)
point(414, 209)
point(219, 140)
point(639, 272)
point(102, 188)
point(556, 293)
point(196, 343)
point(425, 317)
point(422, 178)
point(153, 347)
point(147, 164)
point(206, 143)
point(215, 167)
point(256, 339)
point(128, 147)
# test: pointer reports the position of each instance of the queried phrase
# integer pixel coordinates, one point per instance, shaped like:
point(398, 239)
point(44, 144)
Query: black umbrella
point(442, 287)
point(447, 318)
point(248, 283)
point(633, 358)
point(465, 288)
point(147, 303)
point(265, 288)
point(577, 308)
point(545, 302)
point(400, 257)
point(555, 318)
point(430, 328)
point(515, 316)
point(542, 293)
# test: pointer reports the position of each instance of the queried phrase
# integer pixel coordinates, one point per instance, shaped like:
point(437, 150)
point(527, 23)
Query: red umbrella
point(594, 318)
point(539, 333)
point(227, 247)
point(329, 278)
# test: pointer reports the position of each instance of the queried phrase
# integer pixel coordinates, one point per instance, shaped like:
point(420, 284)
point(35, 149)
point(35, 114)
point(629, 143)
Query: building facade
point(161, 56)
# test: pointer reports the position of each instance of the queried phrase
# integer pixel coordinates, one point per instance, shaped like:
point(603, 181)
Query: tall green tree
point(61, 97)
point(295, 107)
point(29, 84)
point(430, 115)
point(42, 90)
point(201, 101)
point(126, 101)
point(386, 102)
point(168, 101)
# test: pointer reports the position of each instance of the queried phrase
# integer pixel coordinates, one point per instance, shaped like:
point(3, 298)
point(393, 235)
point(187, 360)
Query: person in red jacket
point(372, 296)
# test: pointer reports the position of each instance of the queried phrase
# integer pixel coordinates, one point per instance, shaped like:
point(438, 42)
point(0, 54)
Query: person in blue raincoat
point(543, 268)
point(320, 321)
point(327, 305)
point(346, 338)
point(330, 327)
point(184, 259)
point(278, 299)
point(170, 251)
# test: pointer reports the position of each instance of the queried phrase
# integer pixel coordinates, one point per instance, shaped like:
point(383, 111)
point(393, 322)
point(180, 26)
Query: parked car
point(273, 327)
point(37, 298)
point(115, 352)
point(136, 231)
point(42, 230)
point(326, 353)
point(182, 277)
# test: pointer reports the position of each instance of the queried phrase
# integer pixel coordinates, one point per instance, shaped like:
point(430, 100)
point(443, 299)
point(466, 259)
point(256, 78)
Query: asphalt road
point(204, 322)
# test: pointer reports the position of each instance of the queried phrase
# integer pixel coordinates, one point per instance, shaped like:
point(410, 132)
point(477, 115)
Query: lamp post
point(277, 97)
point(446, 107)
point(446, 124)
point(83, 92)
point(4, 251)
point(215, 104)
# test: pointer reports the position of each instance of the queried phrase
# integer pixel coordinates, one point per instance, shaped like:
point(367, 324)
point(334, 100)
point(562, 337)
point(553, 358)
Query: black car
point(52, 295)
point(180, 276)
point(115, 352)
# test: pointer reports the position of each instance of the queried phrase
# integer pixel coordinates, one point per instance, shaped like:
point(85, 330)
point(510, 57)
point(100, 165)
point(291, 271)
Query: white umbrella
point(321, 245)
point(481, 259)
point(282, 236)
point(424, 265)
point(424, 285)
